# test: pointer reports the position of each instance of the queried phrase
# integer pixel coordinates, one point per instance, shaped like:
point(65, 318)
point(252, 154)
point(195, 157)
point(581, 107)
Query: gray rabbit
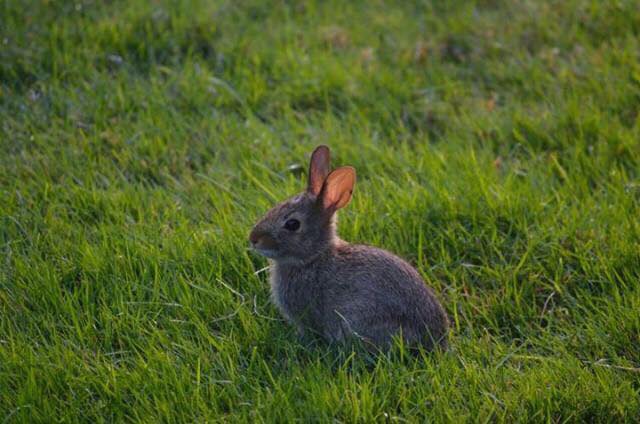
point(336, 289)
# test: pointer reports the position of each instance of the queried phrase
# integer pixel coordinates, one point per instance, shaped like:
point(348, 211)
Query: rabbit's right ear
point(338, 189)
point(318, 169)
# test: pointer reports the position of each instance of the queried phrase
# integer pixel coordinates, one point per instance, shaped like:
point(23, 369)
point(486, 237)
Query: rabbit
point(337, 290)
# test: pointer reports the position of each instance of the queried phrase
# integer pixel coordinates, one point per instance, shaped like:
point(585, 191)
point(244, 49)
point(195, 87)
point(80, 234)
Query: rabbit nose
point(254, 237)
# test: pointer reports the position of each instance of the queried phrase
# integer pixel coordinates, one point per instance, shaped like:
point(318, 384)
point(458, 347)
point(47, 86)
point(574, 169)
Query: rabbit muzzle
point(263, 243)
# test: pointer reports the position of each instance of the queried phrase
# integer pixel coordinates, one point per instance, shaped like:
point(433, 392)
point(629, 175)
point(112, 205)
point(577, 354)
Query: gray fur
point(337, 290)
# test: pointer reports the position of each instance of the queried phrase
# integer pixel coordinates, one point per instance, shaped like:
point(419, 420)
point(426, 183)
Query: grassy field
point(497, 145)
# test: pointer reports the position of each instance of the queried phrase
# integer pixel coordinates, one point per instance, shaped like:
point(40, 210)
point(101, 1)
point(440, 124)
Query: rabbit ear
point(318, 169)
point(338, 188)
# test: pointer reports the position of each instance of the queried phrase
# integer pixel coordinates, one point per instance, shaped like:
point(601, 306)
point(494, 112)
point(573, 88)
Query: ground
point(497, 145)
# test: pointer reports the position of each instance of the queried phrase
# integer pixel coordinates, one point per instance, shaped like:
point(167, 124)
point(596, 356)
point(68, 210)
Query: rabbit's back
point(381, 293)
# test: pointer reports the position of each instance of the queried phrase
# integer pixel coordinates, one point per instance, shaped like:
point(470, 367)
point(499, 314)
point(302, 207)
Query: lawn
point(497, 145)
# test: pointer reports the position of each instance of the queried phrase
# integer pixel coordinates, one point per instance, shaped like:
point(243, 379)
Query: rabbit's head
point(303, 226)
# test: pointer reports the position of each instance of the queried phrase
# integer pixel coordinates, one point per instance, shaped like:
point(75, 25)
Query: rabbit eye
point(292, 224)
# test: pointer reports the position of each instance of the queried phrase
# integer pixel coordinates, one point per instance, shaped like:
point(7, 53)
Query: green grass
point(497, 145)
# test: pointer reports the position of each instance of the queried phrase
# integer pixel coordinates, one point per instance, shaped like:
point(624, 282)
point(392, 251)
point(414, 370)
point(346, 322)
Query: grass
point(498, 149)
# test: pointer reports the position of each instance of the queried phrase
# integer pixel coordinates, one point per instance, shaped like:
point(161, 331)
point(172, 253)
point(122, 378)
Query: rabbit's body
point(362, 292)
point(339, 290)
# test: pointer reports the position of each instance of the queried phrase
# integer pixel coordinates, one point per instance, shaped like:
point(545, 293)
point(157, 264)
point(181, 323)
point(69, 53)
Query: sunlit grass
point(497, 146)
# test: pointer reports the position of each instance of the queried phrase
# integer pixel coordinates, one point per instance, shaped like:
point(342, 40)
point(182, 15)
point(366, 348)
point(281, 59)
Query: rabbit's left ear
point(318, 169)
point(338, 188)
